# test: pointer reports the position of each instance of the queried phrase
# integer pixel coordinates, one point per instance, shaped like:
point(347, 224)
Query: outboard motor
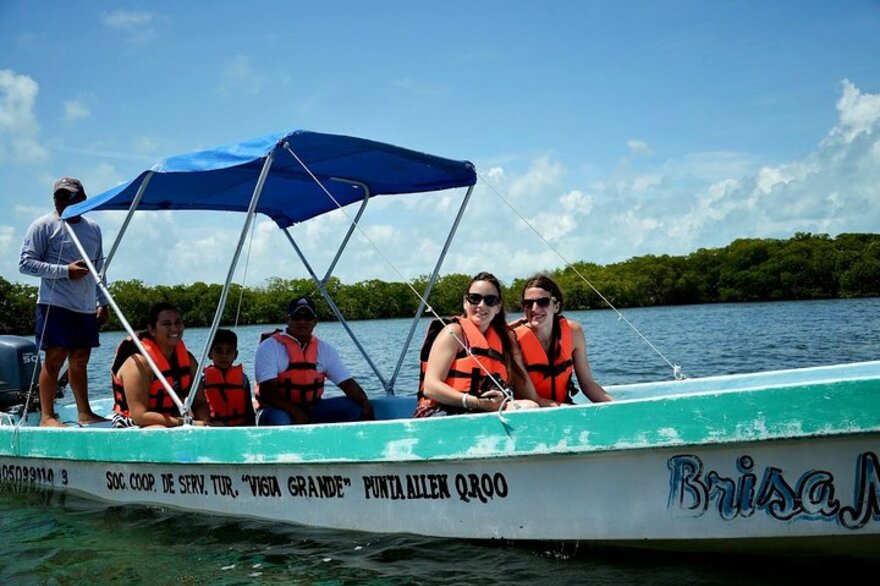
point(19, 359)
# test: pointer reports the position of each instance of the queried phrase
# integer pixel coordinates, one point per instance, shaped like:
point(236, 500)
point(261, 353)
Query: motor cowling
point(19, 359)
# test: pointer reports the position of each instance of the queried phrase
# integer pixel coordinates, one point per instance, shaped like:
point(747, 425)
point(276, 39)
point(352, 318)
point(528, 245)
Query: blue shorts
point(335, 410)
point(66, 329)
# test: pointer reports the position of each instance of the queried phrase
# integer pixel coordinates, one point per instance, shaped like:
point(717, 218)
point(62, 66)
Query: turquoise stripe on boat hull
point(828, 409)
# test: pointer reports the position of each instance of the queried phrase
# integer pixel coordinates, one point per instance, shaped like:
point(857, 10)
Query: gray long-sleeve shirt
point(48, 250)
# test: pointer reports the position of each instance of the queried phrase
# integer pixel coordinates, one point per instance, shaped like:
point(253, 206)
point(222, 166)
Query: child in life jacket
point(227, 388)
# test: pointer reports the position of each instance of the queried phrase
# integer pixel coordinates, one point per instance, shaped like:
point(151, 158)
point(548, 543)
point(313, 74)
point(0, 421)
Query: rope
point(247, 260)
point(676, 369)
point(508, 397)
point(507, 392)
point(36, 371)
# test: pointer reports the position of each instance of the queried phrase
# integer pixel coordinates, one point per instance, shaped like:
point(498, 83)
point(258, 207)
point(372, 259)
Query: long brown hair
point(543, 281)
point(499, 323)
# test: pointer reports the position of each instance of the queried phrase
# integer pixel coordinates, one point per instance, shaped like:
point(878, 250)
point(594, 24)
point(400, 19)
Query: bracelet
point(464, 403)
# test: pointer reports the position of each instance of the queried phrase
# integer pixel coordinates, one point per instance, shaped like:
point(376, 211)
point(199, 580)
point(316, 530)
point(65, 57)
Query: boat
point(771, 462)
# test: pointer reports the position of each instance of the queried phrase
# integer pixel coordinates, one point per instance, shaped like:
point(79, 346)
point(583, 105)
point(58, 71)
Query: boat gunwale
point(696, 419)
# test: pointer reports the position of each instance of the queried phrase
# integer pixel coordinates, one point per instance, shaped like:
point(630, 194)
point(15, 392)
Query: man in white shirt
point(70, 306)
point(291, 367)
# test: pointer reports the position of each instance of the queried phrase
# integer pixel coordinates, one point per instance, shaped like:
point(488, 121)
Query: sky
point(600, 130)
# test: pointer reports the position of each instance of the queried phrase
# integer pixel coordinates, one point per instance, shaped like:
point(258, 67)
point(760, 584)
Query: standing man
point(70, 306)
point(290, 369)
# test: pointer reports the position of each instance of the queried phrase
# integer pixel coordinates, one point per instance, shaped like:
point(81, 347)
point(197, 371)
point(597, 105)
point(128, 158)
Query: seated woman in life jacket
point(474, 359)
point(139, 398)
point(553, 347)
point(226, 386)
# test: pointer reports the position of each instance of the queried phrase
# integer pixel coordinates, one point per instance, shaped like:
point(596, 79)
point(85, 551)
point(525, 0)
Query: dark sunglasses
point(540, 302)
point(302, 316)
point(475, 298)
point(64, 195)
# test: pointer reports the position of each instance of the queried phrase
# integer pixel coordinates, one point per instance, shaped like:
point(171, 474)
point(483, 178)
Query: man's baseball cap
point(301, 304)
point(71, 184)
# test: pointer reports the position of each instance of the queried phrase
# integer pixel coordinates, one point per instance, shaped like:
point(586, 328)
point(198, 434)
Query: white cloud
point(147, 145)
point(711, 166)
point(380, 234)
point(543, 174)
point(669, 206)
point(443, 204)
point(639, 147)
point(76, 110)
point(324, 227)
point(835, 188)
point(27, 150)
point(7, 240)
point(859, 113)
point(240, 75)
point(576, 201)
point(711, 206)
point(101, 177)
point(19, 128)
point(28, 211)
point(206, 250)
point(645, 182)
point(553, 226)
point(767, 178)
point(698, 200)
point(9, 250)
point(126, 20)
point(637, 226)
point(96, 179)
point(140, 26)
point(495, 174)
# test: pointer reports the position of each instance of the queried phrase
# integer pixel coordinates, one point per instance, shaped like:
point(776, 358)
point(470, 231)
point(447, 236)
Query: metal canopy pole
point(334, 308)
point(424, 301)
point(134, 205)
point(352, 225)
point(251, 212)
point(157, 372)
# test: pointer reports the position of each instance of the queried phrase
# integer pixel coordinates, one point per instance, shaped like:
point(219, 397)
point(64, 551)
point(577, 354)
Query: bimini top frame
point(291, 178)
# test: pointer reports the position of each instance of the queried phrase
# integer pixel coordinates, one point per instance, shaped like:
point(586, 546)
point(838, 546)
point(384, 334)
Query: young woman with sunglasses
point(553, 347)
point(474, 358)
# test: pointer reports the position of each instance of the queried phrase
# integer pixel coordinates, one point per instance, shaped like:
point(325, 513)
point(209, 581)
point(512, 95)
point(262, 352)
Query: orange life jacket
point(300, 382)
point(263, 337)
point(465, 373)
point(551, 381)
point(228, 398)
point(176, 372)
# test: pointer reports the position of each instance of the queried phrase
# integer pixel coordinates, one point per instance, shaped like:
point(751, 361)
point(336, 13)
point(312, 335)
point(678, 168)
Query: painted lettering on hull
point(322, 486)
point(468, 487)
point(222, 485)
point(262, 485)
point(811, 496)
point(18, 474)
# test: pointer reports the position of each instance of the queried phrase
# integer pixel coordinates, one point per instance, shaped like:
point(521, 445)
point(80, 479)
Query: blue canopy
point(224, 178)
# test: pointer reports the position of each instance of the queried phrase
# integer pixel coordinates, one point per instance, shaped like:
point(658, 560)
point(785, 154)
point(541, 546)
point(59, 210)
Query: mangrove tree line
point(806, 266)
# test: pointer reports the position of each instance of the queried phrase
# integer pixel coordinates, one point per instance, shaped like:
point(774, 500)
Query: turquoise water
point(60, 539)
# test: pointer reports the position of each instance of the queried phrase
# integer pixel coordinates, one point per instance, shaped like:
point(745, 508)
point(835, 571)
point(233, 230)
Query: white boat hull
point(787, 489)
point(788, 466)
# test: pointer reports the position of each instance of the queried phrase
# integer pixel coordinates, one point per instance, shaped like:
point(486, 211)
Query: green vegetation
point(17, 312)
point(806, 266)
